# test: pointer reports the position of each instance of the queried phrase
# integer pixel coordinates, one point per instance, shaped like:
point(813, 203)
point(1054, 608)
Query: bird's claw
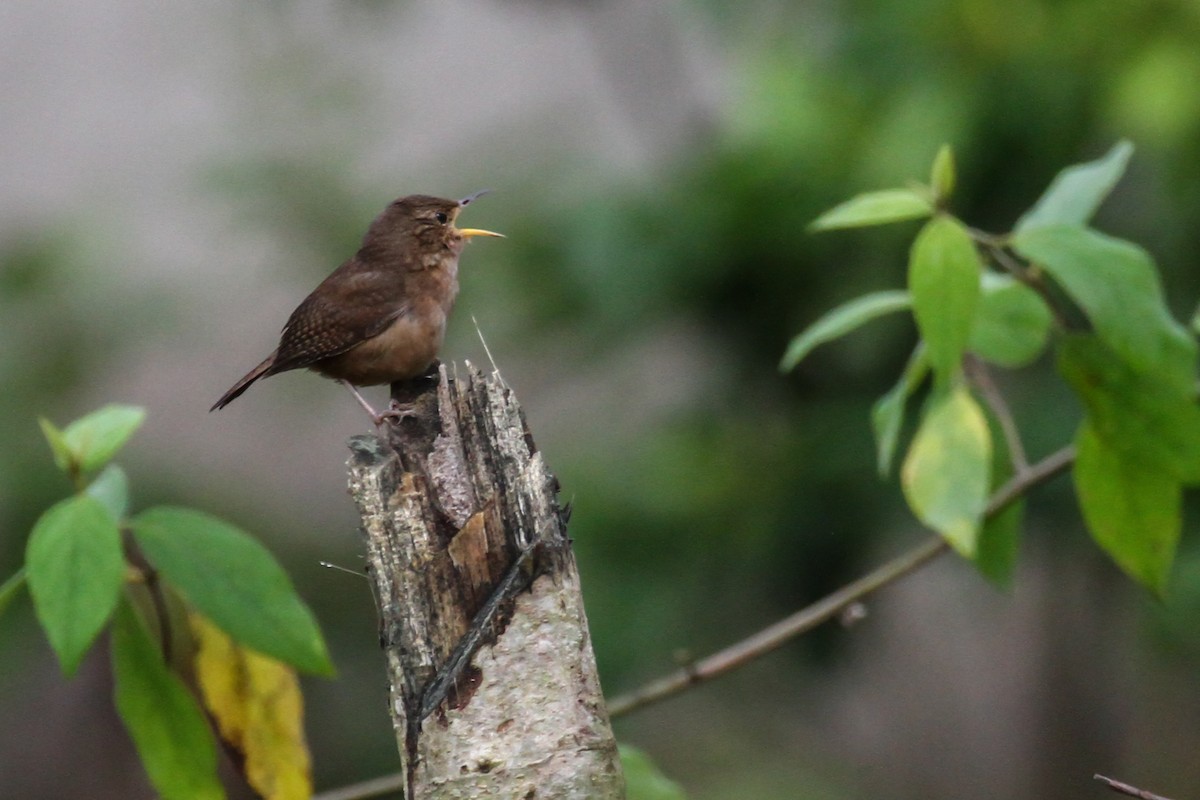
point(395, 411)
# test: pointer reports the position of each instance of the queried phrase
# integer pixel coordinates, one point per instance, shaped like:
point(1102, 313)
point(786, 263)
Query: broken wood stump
point(494, 691)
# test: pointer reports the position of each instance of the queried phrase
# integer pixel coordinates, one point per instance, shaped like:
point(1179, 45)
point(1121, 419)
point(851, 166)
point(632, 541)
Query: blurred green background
point(174, 179)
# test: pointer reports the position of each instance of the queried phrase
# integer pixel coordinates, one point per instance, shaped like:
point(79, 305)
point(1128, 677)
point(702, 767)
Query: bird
point(381, 316)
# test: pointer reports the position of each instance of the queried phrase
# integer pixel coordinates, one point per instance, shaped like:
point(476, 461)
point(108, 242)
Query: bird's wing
point(365, 304)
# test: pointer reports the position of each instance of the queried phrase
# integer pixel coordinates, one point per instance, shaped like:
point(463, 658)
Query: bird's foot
point(395, 411)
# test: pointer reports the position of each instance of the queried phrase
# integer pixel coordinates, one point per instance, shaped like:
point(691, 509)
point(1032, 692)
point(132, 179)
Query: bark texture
point(494, 690)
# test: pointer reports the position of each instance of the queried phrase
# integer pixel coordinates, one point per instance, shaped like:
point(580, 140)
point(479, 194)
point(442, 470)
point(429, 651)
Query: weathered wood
point(494, 690)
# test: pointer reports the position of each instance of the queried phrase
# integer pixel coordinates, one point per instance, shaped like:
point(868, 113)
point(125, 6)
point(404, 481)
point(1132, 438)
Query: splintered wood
point(493, 682)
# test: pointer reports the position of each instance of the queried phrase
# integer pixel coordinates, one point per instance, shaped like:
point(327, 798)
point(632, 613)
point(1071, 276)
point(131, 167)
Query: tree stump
point(494, 691)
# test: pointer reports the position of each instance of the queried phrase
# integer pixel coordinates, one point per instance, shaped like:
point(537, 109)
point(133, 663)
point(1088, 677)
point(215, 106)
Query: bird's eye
point(441, 217)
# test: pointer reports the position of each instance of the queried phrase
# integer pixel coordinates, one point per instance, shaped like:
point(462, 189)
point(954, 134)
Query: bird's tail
point(250, 377)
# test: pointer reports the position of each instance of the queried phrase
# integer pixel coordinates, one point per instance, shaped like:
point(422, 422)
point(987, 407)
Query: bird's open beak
point(467, 233)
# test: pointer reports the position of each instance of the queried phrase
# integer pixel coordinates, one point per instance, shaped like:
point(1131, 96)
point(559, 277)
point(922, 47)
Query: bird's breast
point(405, 349)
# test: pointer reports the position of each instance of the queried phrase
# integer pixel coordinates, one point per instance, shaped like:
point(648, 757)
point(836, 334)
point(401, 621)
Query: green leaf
point(169, 730)
point(875, 208)
point(999, 544)
point(643, 780)
point(1077, 191)
point(1000, 536)
point(1136, 414)
point(75, 568)
point(11, 588)
point(1133, 509)
point(842, 320)
point(111, 488)
point(1011, 323)
point(1116, 284)
point(234, 581)
point(96, 437)
point(943, 277)
point(63, 458)
point(887, 415)
point(946, 474)
point(941, 177)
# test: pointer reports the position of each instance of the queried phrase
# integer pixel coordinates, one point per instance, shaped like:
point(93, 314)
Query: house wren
point(381, 316)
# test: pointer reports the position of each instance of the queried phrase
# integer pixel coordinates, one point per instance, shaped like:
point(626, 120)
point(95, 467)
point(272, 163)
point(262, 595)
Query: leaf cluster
point(158, 577)
point(983, 300)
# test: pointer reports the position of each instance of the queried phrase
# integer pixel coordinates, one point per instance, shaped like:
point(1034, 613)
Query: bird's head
point(422, 227)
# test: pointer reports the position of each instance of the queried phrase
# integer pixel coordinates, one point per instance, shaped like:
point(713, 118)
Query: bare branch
point(376, 787)
point(1126, 789)
point(772, 637)
point(830, 606)
point(1049, 467)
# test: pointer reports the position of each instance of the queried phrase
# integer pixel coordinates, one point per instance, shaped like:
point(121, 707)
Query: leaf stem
point(997, 250)
point(981, 376)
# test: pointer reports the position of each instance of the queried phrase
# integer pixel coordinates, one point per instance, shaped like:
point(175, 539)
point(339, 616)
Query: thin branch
point(1126, 789)
point(149, 579)
point(831, 605)
point(376, 787)
point(981, 376)
point(774, 636)
point(989, 240)
point(997, 249)
point(159, 601)
point(1033, 280)
point(1049, 467)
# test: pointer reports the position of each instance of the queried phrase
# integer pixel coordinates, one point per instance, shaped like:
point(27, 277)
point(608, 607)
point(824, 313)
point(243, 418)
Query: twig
point(1049, 467)
point(831, 605)
point(376, 787)
point(997, 248)
point(773, 636)
point(148, 576)
point(1125, 788)
point(159, 601)
point(981, 376)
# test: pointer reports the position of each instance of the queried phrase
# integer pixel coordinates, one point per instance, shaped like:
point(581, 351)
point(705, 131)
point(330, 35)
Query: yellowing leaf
point(946, 474)
point(258, 708)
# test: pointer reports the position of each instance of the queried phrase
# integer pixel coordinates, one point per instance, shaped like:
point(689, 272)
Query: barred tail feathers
point(250, 377)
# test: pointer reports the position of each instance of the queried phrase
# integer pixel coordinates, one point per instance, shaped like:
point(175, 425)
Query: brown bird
point(381, 316)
